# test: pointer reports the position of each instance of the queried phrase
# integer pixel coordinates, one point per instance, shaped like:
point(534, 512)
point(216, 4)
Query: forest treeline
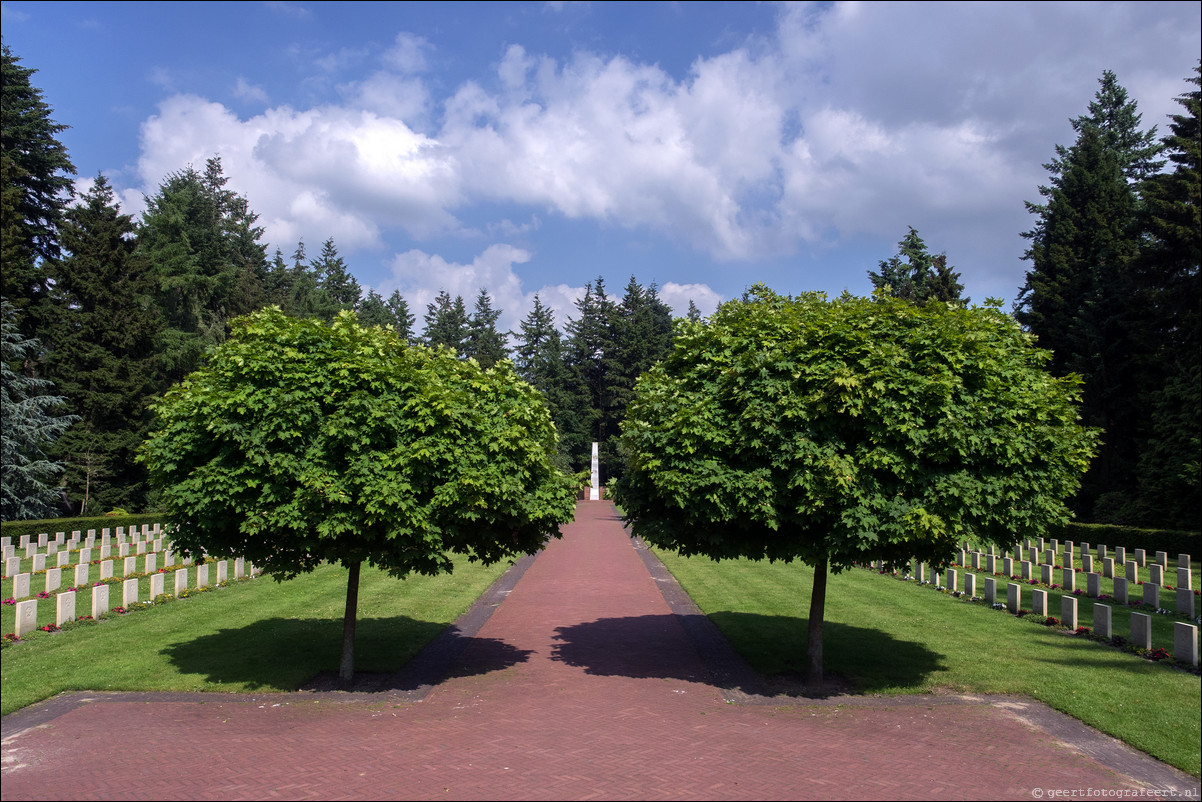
point(103, 312)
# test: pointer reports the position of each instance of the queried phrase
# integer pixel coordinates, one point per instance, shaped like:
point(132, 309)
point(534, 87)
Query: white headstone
point(64, 608)
point(100, 600)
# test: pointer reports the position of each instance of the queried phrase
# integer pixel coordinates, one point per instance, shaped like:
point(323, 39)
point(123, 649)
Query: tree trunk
point(817, 612)
point(346, 670)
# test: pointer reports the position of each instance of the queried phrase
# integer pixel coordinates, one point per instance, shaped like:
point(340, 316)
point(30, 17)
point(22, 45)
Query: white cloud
point(289, 9)
point(420, 276)
point(850, 122)
point(408, 53)
point(248, 92)
point(678, 296)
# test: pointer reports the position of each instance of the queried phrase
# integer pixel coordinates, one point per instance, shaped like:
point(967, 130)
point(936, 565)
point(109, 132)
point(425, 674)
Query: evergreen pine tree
point(921, 277)
point(103, 357)
point(591, 354)
point(35, 171)
point(202, 245)
point(399, 308)
point(446, 323)
point(539, 359)
point(484, 343)
point(29, 425)
point(336, 281)
point(1170, 474)
point(1080, 298)
point(374, 312)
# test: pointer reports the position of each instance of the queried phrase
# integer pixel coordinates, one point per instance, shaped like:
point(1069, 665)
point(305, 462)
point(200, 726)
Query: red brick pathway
point(582, 685)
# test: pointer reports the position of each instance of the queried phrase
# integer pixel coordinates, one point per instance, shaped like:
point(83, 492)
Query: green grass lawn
point(892, 637)
point(254, 635)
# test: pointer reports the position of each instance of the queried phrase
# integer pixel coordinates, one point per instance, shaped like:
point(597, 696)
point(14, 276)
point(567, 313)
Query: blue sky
point(531, 147)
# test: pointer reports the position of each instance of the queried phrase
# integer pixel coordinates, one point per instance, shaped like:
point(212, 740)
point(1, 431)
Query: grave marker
point(1087, 563)
point(1141, 630)
point(1185, 579)
point(1152, 595)
point(39, 562)
point(1069, 579)
point(1108, 567)
point(64, 608)
point(1068, 611)
point(1183, 561)
point(990, 590)
point(130, 567)
point(1120, 590)
point(81, 574)
point(1185, 643)
point(156, 586)
point(1185, 602)
point(949, 579)
point(100, 600)
point(64, 558)
point(970, 585)
point(152, 563)
point(1008, 567)
point(106, 569)
point(1120, 555)
point(12, 567)
point(129, 592)
point(181, 581)
point(1103, 625)
point(85, 556)
point(1026, 569)
point(1141, 558)
point(1045, 574)
point(20, 586)
point(1093, 585)
point(27, 617)
point(1132, 572)
point(1156, 574)
point(1014, 597)
point(1162, 559)
point(202, 576)
point(1039, 602)
point(221, 571)
point(991, 564)
point(54, 579)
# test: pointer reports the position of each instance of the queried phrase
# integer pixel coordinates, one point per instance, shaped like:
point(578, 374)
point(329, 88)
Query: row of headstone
point(53, 578)
point(1185, 599)
point(27, 610)
point(42, 553)
point(1185, 636)
point(43, 540)
point(1041, 551)
point(82, 569)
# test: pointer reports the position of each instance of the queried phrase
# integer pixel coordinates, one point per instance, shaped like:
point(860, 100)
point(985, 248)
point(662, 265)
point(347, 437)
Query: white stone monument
point(594, 493)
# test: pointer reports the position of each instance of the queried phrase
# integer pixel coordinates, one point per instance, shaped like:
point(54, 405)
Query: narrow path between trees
point(584, 683)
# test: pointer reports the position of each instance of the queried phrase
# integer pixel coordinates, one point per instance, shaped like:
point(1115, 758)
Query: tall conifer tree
point(1080, 297)
point(103, 357)
point(36, 174)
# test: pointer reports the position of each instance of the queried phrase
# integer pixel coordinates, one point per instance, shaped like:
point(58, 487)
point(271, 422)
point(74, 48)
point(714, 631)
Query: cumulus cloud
point(420, 276)
point(847, 122)
point(678, 296)
point(248, 92)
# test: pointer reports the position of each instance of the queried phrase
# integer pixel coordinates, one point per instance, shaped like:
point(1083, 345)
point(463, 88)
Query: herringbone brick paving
point(582, 685)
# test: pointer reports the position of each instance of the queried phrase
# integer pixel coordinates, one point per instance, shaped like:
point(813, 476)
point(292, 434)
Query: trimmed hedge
point(15, 529)
point(1150, 540)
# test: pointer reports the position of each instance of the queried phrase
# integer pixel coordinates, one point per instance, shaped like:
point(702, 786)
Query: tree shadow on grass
point(287, 654)
point(768, 655)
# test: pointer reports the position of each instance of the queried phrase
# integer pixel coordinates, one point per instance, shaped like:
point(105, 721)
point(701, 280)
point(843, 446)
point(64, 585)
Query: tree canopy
point(838, 432)
point(301, 443)
point(921, 276)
